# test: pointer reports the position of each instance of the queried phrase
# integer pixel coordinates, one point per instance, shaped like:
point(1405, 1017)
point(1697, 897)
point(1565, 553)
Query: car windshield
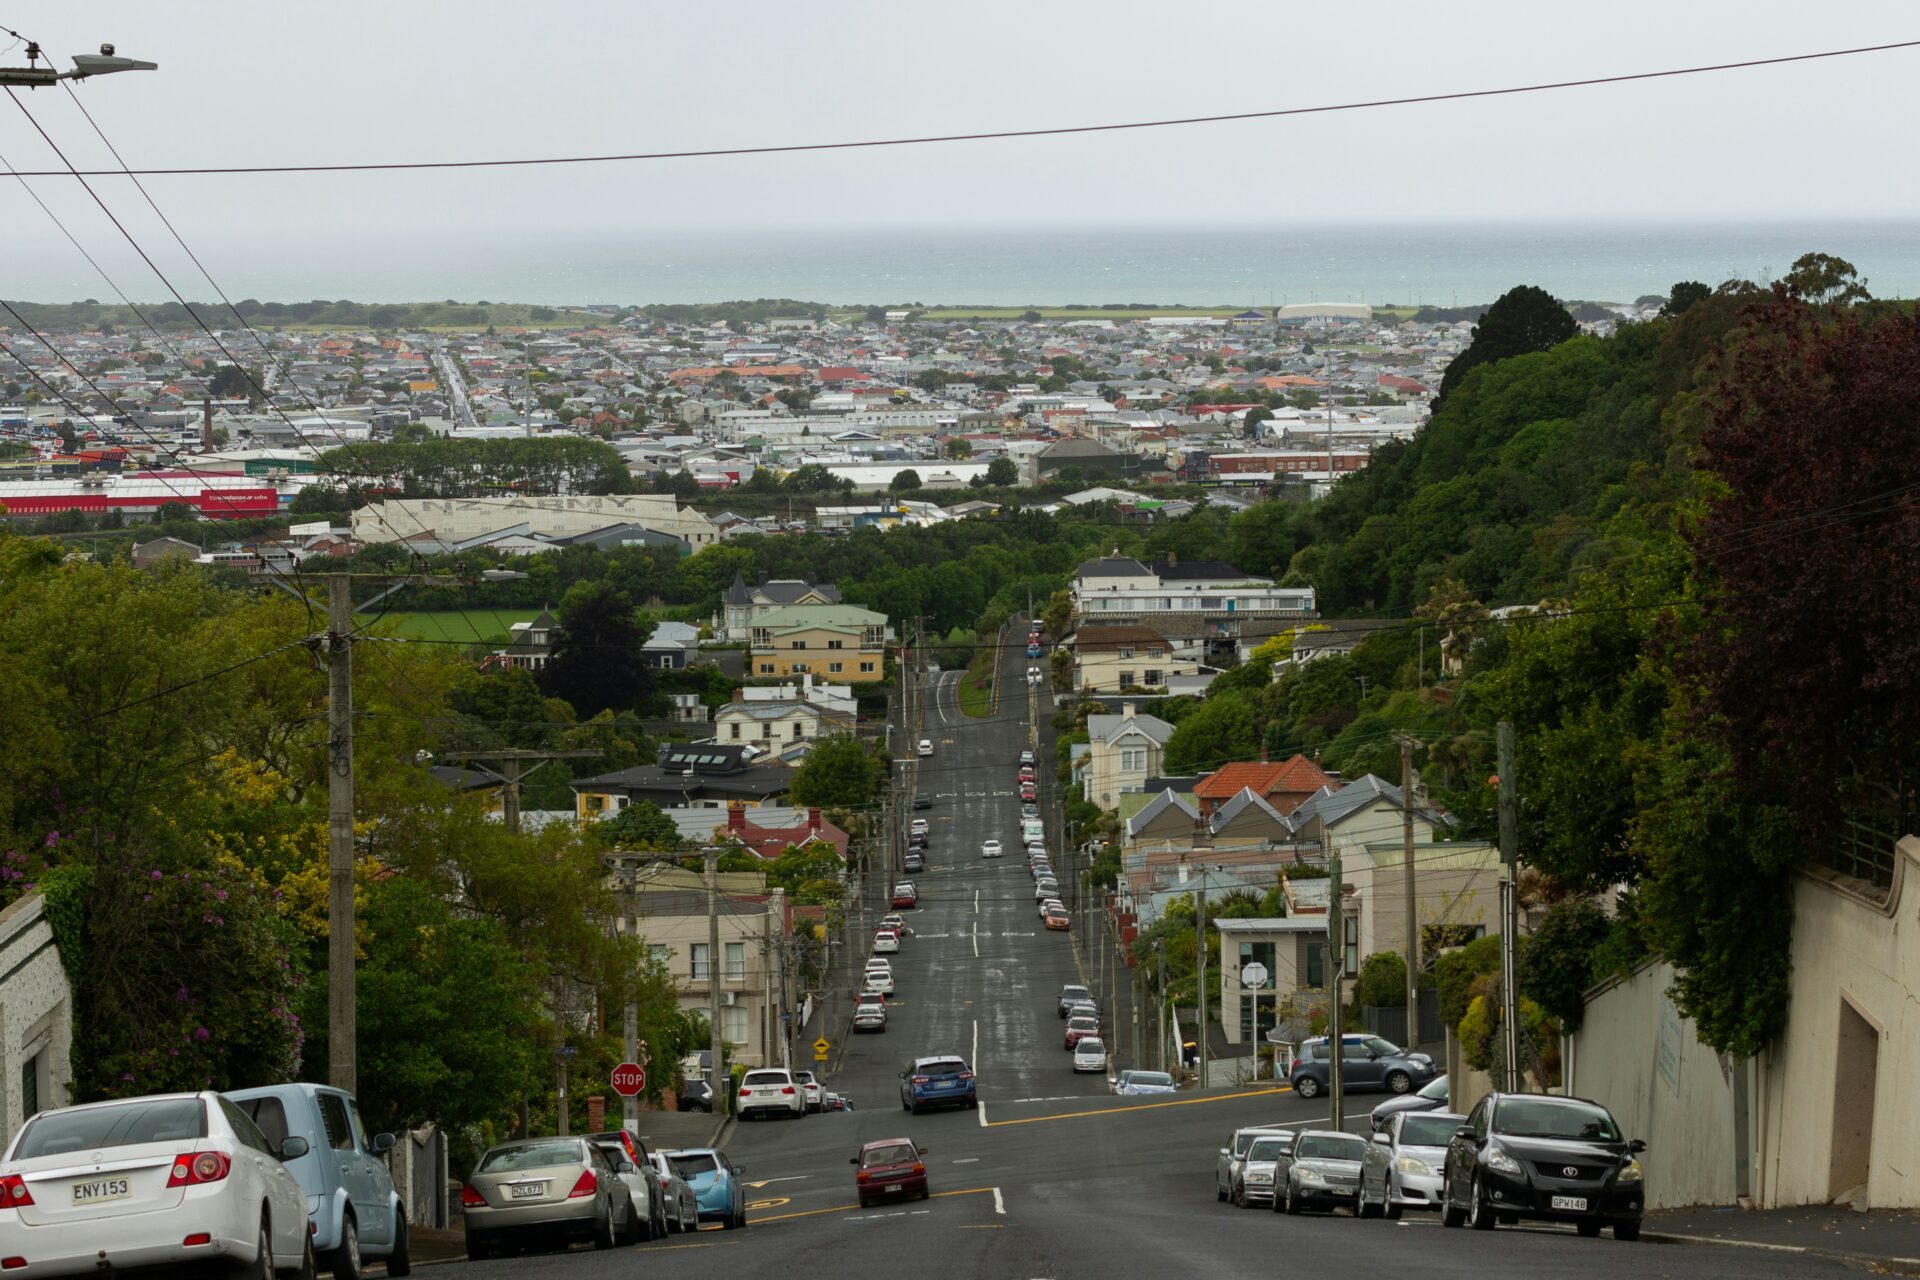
point(897, 1153)
point(943, 1067)
point(1436, 1089)
point(1150, 1077)
point(1427, 1131)
point(690, 1167)
point(1082, 1024)
point(1331, 1146)
point(1385, 1048)
point(764, 1078)
point(127, 1124)
point(1554, 1118)
point(1268, 1149)
point(1089, 1046)
point(1074, 993)
point(537, 1155)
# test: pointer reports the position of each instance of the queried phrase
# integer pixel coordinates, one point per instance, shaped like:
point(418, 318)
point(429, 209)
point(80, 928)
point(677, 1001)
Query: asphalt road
point(1052, 1176)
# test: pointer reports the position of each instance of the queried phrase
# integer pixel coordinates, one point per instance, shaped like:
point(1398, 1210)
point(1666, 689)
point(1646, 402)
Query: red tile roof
point(1228, 780)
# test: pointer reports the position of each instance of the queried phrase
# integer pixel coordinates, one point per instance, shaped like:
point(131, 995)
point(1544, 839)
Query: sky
point(243, 82)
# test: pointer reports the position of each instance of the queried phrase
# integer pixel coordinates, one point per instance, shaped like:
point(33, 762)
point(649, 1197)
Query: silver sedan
point(544, 1190)
point(1405, 1163)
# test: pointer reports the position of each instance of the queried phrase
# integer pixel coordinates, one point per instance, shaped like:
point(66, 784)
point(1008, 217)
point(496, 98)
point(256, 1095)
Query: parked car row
point(1539, 1157)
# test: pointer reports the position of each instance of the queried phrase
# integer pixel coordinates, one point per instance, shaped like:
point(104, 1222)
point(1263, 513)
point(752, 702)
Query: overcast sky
point(244, 82)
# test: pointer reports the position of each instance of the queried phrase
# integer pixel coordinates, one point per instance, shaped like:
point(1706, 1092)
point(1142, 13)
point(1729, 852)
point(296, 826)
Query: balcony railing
point(1863, 850)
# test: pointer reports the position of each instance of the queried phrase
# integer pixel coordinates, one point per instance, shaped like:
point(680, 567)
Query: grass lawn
point(475, 626)
point(976, 686)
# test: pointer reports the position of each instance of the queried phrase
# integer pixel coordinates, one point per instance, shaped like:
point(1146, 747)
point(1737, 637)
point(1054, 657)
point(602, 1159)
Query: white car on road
point(1090, 1055)
point(926, 746)
point(149, 1182)
point(990, 849)
point(886, 940)
point(771, 1091)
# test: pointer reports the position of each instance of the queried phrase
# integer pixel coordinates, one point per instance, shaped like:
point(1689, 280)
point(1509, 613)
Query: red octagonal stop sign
point(629, 1079)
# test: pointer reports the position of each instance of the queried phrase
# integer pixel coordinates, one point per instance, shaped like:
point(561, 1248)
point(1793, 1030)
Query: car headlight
point(1260, 1177)
point(1411, 1164)
point(1313, 1179)
point(1500, 1162)
point(1630, 1172)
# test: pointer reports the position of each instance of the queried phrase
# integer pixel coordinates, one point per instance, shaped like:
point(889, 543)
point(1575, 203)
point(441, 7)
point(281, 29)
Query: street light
point(34, 76)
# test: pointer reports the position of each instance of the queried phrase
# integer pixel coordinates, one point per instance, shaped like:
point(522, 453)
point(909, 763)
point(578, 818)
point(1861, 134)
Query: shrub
point(1382, 982)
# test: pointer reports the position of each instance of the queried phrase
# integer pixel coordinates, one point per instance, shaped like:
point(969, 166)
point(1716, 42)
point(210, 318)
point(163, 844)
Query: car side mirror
point(903, 1075)
point(1636, 1146)
point(382, 1143)
point(1223, 1151)
point(1382, 1139)
point(1464, 1132)
point(293, 1148)
point(739, 1168)
point(854, 1160)
point(921, 1150)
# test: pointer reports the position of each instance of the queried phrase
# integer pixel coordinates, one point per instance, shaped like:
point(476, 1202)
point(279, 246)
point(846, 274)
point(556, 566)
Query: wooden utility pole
point(342, 1066)
point(1200, 978)
point(513, 768)
point(1412, 952)
point(1336, 970)
point(1509, 912)
point(722, 1082)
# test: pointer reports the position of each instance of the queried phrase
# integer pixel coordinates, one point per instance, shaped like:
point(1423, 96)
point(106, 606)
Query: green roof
point(1129, 803)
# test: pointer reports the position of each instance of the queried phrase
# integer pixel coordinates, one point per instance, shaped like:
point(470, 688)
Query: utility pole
point(1160, 1006)
point(342, 1030)
point(630, 1044)
point(1509, 911)
point(1412, 951)
point(722, 1083)
point(512, 762)
point(1200, 976)
point(1336, 971)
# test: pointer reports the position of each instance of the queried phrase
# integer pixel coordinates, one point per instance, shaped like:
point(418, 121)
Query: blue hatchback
point(716, 1184)
point(942, 1081)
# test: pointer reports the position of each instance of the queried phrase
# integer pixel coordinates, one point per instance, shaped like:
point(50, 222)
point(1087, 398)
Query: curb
point(1909, 1265)
point(718, 1130)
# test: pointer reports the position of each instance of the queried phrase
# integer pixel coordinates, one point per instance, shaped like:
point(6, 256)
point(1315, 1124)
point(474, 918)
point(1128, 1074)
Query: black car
point(1431, 1097)
point(695, 1095)
point(1542, 1156)
point(921, 800)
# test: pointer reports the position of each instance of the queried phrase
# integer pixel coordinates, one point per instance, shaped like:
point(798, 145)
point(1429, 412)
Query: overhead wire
point(1006, 134)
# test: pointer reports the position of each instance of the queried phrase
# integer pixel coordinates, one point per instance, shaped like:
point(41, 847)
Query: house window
point(1267, 1020)
point(834, 667)
point(836, 644)
point(736, 731)
point(866, 666)
point(736, 960)
point(733, 1024)
point(766, 668)
point(596, 803)
point(1351, 945)
point(697, 955)
point(1126, 678)
point(798, 666)
point(1126, 651)
point(1133, 759)
point(1316, 964)
point(796, 644)
point(30, 1086)
point(1152, 677)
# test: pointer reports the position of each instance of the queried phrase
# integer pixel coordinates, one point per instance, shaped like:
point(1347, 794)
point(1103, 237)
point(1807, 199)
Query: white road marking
point(969, 1160)
point(975, 1059)
point(982, 1113)
point(1016, 935)
point(976, 902)
point(976, 942)
point(999, 1205)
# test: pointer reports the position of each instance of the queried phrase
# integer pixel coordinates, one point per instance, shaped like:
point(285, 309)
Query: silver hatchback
point(545, 1190)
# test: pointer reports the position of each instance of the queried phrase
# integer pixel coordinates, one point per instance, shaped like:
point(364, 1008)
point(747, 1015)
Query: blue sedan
point(716, 1184)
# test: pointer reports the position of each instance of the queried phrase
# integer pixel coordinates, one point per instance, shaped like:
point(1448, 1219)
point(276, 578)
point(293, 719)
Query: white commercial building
point(558, 515)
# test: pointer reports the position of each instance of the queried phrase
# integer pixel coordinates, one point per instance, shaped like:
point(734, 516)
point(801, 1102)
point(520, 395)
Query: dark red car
point(905, 895)
point(890, 1169)
point(1028, 791)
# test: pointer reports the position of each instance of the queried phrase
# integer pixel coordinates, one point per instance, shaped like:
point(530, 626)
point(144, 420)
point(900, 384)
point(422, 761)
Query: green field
point(475, 626)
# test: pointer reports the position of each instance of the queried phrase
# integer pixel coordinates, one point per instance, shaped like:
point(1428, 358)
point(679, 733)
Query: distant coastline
point(1173, 269)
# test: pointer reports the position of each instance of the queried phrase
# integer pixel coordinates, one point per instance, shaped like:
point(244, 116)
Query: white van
point(1033, 831)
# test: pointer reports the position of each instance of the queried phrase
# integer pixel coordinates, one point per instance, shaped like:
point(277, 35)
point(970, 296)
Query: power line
point(994, 135)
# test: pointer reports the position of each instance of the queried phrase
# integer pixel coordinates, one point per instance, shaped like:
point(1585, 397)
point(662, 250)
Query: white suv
point(990, 849)
point(771, 1090)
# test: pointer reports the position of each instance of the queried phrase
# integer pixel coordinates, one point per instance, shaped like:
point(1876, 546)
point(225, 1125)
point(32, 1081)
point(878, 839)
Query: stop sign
point(629, 1079)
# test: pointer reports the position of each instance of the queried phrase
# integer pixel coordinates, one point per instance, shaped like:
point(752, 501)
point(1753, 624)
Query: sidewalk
point(1885, 1234)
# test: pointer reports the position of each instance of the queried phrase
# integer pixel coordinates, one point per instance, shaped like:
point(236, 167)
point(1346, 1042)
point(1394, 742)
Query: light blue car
point(357, 1217)
point(1133, 1084)
point(716, 1184)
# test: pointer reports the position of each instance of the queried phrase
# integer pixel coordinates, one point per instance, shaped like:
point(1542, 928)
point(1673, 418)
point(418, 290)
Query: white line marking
point(969, 1160)
point(976, 942)
point(999, 1205)
point(976, 1048)
point(976, 902)
point(982, 1113)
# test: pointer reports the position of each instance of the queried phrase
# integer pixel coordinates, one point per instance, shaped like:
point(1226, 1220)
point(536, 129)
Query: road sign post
point(820, 1048)
point(629, 1079)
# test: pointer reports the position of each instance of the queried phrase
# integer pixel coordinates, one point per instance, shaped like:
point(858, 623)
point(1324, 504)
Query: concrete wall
point(1856, 964)
point(36, 1015)
point(1639, 1058)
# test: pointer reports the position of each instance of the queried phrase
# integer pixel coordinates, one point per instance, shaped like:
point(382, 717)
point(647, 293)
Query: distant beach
point(1413, 264)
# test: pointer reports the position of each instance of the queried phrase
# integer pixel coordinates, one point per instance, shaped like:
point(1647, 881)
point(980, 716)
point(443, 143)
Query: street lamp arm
point(35, 76)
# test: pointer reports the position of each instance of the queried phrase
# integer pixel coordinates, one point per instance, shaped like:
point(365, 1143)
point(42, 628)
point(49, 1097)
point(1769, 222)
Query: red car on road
point(1028, 791)
point(905, 895)
point(890, 1169)
point(1079, 1029)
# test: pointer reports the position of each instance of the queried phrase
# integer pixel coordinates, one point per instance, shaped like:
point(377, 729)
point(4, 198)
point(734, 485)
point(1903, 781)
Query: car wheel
point(1588, 1228)
point(1451, 1215)
point(1480, 1213)
point(1240, 1197)
point(1293, 1201)
point(1398, 1082)
point(1306, 1087)
point(400, 1259)
point(477, 1250)
point(345, 1261)
point(1391, 1207)
point(261, 1267)
point(639, 1228)
point(973, 1104)
point(309, 1268)
point(865, 1203)
point(603, 1231)
point(1626, 1229)
point(1361, 1208)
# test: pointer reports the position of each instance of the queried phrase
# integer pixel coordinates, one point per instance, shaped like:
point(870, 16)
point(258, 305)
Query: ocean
point(1441, 264)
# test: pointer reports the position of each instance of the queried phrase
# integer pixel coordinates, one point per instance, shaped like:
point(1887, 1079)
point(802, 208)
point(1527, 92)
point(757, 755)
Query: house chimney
point(206, 425)
point(736, 818)
point(740, 694)
point(813, 820)
point(1126, 711)
point(1173, 559)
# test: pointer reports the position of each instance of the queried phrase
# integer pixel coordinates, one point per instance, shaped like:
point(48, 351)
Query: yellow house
point(837, 643)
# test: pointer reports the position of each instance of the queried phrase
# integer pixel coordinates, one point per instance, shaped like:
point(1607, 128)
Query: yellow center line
point(854, 1208)
point(1144, 1106)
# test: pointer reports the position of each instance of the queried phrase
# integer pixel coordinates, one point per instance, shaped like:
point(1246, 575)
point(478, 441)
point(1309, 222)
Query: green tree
point(596, 664)
point(230, 382)
point(1824, 280)
point(1218, 730)
point(838, 773)
point(640, 826)
point(1682, 296)
point(1002, 473)
point(904, 480)
point(1523, 319)
point(960, 448)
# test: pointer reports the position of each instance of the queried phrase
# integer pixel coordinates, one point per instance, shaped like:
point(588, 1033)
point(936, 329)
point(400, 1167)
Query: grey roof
point(1239, 804)
point(784, 591)
point(1108, 729)
point(1114, 566)
point(1334, 807)
point(1198, 569)
point(1157, 806)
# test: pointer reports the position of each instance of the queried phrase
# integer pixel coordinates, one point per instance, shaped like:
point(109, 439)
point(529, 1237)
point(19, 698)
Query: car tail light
point(786, 1089)
point(918, 1080)
point(13, 1192)
point(746, 1093)
point(12, 1264)
point(198, 1167)
point(586, 1186)
point(861, 1176)
point(471, 1199)
point(918, 1167)
point(966, 1075)
point(197, 1238)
